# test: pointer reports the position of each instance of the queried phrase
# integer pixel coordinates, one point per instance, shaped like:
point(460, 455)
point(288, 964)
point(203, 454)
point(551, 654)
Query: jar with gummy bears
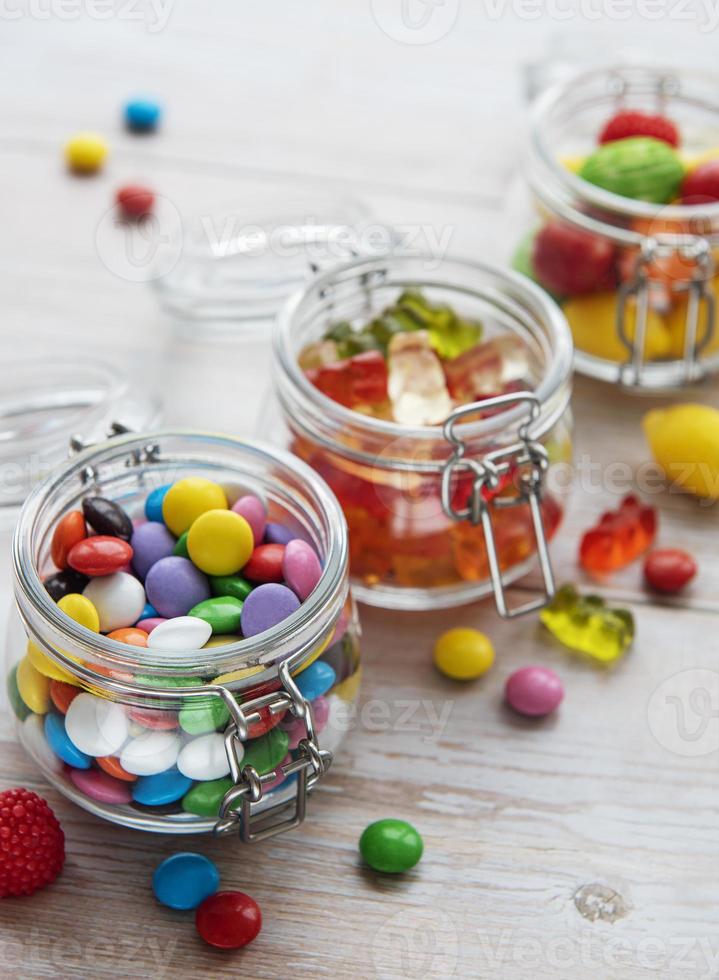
point(432, 396)
point(184, 641)
point(623, 173)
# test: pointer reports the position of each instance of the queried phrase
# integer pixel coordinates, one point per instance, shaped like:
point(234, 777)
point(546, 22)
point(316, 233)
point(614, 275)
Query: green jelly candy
point(204, 798)
point(180, 548)
point(391, 846)
point(17, 704)
point(223, 613)
point(587, 624)
point(201, 718)
point(266, 752)
point(231, 585)
point(640, 167)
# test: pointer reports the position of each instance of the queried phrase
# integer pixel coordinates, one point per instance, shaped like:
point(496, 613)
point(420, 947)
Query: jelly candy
point(570, 261)
point(593, 322)
point(359, 380)
point(416, 384)
point(587, 624)
point(391, 846)
point(33, 851)
point(684, 440)
point(640, 167)
point(318, 354)
point(463, 654)
point(449, 333)
point(487, 369)
point(669, 569)
point(619, 537)
point(632, 123)
point(534, 691)
point(701, 185)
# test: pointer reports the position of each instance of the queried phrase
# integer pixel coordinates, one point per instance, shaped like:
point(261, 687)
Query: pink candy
point(148, 625)
point(534, 691)
point(100, 786)
point(253, 511)
point(301, 568)
point(296, 727)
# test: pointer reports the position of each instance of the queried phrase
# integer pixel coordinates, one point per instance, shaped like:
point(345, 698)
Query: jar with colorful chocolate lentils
point(623, 169)
point(184, 644)
point(432, 396)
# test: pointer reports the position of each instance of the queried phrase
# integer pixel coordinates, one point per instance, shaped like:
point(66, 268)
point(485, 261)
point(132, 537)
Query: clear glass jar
point(645, 314)
point(268, 744)
point(437, 516)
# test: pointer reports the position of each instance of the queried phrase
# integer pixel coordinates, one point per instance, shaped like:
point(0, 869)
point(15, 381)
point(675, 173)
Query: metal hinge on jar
point(529, 459)
point(148, 454)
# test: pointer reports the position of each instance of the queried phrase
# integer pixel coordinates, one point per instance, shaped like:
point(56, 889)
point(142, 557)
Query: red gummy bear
point(360, 380)
point(628, 123)
point(569, 261)
point(619, 537)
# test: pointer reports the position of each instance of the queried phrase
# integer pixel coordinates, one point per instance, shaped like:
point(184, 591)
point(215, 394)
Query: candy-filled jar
point(184, 643)
point(622, 228)
point(432, 396)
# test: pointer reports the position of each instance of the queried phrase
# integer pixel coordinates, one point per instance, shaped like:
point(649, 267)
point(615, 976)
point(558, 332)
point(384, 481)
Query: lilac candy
point(253, 510)
point(266, 606)
point(534, 691)
point(150, 542)
point(174, 585)
point(278, 534)
point(301, 568)
point(149, 624)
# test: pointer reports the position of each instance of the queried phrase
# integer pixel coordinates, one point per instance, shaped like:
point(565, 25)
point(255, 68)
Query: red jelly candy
point(627, 123)
point(569, 261)
point(265, 564)
point(701, 185)
point(135, 201)
point(669, 569)
point(228, 920)
point(619, 537)
point(360, 380)
point(69, 532)
point(100, 555)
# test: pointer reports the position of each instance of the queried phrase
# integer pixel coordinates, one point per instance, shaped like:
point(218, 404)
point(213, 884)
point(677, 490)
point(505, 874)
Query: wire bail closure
point(527, 456)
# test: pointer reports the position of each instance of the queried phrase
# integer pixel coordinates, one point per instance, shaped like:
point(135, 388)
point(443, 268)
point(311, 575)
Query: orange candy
point(131, 635)
point(63, 695)
point(69, 532)
point(111, 765)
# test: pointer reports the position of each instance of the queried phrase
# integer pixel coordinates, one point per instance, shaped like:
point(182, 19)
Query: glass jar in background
point(635, 278)
point(437, 516)
point(193, 740)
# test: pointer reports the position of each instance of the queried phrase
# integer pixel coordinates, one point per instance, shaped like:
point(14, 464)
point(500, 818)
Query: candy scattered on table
point(684, 440)
point(391, 846)
point(86, 153)
point(142, 115)
point(463, 654)
point(228, 920)
point(534, 691)
point(135, 201)
point(183, 881)
point(669, 570)
point(619, 537)
point(32, 844)
point(587, 624)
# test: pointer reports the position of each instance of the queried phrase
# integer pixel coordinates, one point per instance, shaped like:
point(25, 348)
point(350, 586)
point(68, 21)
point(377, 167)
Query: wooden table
point(583, 845)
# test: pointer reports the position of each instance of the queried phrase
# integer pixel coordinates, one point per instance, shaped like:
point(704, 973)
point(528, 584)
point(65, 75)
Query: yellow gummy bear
point(592, 320)
point(684, 440)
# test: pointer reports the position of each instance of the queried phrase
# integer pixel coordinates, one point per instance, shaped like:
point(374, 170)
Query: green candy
point(391, 846)
point(180, 548)
point(223, 613)
point(640, 167)
point(266, 752)
point(231, 585)
point(201, 718)
point(204, 798)
point(20, 709)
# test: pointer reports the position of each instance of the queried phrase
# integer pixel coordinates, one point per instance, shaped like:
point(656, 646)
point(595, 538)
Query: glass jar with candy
point(431, 394)
point(623, 225)
point(184, 639)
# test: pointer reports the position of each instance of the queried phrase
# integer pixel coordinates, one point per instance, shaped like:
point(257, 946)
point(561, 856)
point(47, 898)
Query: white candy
point(96, 726)
point(119, 600)
point(33, 738)
point(151, 753)
point(180, 633)
point(204, 758)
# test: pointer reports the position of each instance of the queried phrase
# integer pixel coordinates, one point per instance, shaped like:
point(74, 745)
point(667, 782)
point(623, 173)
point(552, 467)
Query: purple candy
point(266, 606)
point(174, 585)
point(253, 511)
point(150, 542)
point(278, 534)
point(149, 624)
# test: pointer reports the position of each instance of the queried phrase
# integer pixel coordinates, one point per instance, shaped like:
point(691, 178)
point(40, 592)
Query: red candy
point(32, 844)
point(669, 569)
point(63, 695)
point(628, 123)
point(158, 719)
point(135, 201)
point(99, 555)
point(701, 186)
point(265, 564)
point(569, 261)
point(267, 719)
point(69, 532)
point(619, 537)
point(228, 920)
point(360, 380)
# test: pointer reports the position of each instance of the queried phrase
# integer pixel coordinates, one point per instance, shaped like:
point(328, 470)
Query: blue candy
point(149, 612)
point(165, 787)
point(315, 680)
point(185, 880)
point(142, 116)
point(153, 503)
point(59, 742)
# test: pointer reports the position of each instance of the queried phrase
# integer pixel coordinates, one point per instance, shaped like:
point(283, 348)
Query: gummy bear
point(487, 369)
point(416, 385)
point(358, 380)
point(318, 354)
point(619, 537)
point(587, 624)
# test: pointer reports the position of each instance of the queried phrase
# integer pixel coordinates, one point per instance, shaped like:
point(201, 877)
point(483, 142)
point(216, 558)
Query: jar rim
point(331, 587)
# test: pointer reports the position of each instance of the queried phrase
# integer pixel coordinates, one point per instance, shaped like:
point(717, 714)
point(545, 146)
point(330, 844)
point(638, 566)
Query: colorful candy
point(701, 185)
point(99, 555)
point(142, 115)
point(228, 920)
point(118, 599)
point(33, 844)
point(684, 440)
point(534, 691)
point(301, 568)
point(181, 633)
point(463, 654)
point(85, 153)
point(391, 846)
point(183, 881)
point(619, 537)
point(135, 201)
point(106, 517)
point(266, 606)
point(174, 585)
point(640, 167)
point(220, 542)
point(570, 261)
point(588, 625)
point(669, 570)
point(188, 499)
point(69, 532)
point(630, 122)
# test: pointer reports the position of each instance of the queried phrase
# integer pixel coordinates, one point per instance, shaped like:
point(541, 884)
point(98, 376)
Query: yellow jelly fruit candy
point(80, 609)
point(220, 542)
point(572, 163)
point(46, 666)
point(676, 322)
point(684, 440)
point(593, 323)
point(85, 153)
point(463, 654)
point(33, 686)
point(692, 162)
point(187, 499)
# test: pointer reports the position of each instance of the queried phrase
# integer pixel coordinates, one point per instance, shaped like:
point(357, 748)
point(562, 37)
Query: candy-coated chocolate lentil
point(534, 691)
point(316, 680)
point(204, 798)
point(150, 542)
point(181, 546)
point(205, 757)
point(266, 606)
point(669, 569)
point(99, 555)
point(173, 586)
point(65, 582)
point(62, 745)
point(148, 625)
point(265, 564)
point(150, 754)
point(132, 635)
point(62, 695)
point(181, 633)
point(119, 600)
point(33, 686)
point(142, 116)
point(40, 661)
point(188, 499)
point(20, 709)
point(135, 201)
point(148, 611)
point(111, 765)
point(223, 640)
point(96, 726)
point(220, 542)
point(35, 740)
point(266, 753)
point(161, 788)
point(232, 585)
point(157, 719)
point(228, 920)
point(391, 846)
point(201, 718)
point(277, 533)
point(463, 654)
point(255, 513)
point(295, 727)
point(69, 532)
point(100, 786)
point(222, 613)
point(153, 503)
point(301, 568)
point(81, 609)
point(183, 881)
point(85, 153)
point(106, 517)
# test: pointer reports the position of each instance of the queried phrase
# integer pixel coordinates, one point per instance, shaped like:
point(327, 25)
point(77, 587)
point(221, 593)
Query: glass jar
point(635, 279)
point(234, 711)
point(438, 515)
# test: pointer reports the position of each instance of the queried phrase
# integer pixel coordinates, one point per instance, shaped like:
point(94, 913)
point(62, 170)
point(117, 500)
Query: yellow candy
point(221, 641)
point(314, 655)
point(348, 689)
point(684, 440)
point(80, 609)
point(33, 686)
point(46, 666)
point(692, 162)
point(593, 323)
point(676, 322)
point(572, 163)
point(463, 654)
point(237, 675)
point(86, 152)
point(187, 499)
point(220, 542)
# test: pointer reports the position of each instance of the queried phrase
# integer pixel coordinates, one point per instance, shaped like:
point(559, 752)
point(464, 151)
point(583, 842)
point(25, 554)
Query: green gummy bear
point(640, 167)
point(587, 624)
